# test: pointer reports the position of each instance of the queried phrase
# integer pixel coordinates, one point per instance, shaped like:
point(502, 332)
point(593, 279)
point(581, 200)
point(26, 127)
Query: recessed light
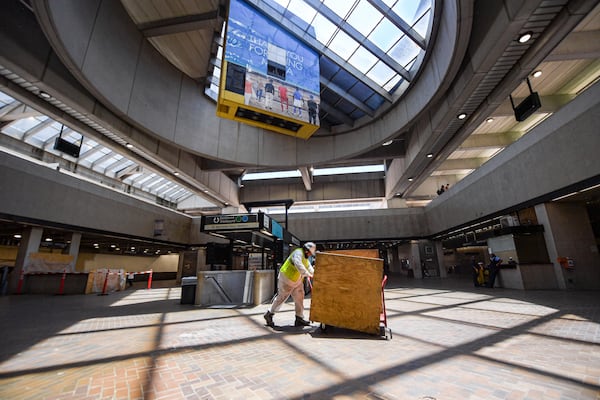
point(17, 236)
point(461, 116)
point(112, 246)
point(411, 179)
point(132, 248)
point(44, 95)
point(48, 239)
point(129, 145)
point(387, 143)
point(430, 155)
point(490, 119)
point(96, 245)
point(176, 173)
point(537, 74)
point(524, 38)
point(205, 191)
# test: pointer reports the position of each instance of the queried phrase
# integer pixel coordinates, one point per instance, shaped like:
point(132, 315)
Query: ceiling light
point(537, 74)
point(388, 143)
point(117, 249)
point(461, 116)
point(430, 155)
point(96, 245)
point(176, 173)
point(129, 145)
point(112, 246)
point(132, 248)
point(525, 37)
point(17, 236)
point(411, 179)
point(48, 239)
point(44, 95)
point(490, 119)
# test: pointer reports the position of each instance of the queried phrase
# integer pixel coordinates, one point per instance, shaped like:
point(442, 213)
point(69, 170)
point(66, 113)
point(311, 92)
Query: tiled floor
point(450, 341)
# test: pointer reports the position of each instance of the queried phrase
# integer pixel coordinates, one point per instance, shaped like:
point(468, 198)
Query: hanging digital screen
point(268, 76)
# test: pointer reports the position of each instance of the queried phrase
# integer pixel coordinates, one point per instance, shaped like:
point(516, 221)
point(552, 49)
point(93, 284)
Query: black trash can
point(188, 289)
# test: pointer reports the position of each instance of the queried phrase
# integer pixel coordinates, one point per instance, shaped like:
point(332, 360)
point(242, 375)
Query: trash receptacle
point(188, 289)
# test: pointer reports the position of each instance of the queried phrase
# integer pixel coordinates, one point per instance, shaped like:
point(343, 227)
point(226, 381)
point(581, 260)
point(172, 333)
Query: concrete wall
point(373, 224)
point(262, 191)
point(568, 233)
point(88, 261)
point(33, 191)
point(560, 151)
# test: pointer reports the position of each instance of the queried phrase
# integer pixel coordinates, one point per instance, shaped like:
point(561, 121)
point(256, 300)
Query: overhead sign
point(229, 222)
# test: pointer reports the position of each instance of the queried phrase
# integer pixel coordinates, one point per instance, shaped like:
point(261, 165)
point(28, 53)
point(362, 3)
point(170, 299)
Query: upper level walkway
point(450, 341)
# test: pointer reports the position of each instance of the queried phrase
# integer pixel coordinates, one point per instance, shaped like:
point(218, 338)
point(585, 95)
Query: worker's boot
point(301, 322)
point(269, 318)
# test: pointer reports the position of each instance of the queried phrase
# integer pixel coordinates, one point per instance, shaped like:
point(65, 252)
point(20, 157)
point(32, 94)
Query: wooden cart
point(347, 292)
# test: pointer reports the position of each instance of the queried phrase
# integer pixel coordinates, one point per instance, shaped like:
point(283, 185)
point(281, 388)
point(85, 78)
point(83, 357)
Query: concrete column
point(439, 252)
point(74, 248)
point(30, 243)
point(568, 233)
point(415, 259)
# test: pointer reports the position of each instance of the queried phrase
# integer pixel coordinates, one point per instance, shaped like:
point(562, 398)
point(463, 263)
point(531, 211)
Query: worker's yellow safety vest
point(289, 269)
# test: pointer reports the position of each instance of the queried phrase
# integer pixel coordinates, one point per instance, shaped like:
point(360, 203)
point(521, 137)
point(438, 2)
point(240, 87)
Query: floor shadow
point(333, 332)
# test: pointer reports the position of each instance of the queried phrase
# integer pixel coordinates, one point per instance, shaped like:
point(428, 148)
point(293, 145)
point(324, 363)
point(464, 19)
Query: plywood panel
point(369, 253)
point(347, 292)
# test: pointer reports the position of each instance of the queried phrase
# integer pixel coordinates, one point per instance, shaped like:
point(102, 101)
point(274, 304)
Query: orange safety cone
point(150, 280)
point(61, 287)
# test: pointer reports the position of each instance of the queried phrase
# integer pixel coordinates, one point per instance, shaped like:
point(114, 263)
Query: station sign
point(228, 222)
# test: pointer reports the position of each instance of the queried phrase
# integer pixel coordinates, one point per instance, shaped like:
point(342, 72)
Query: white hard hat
point(310, 247)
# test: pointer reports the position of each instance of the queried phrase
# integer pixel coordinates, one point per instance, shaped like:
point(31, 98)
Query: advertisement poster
point(281, 74)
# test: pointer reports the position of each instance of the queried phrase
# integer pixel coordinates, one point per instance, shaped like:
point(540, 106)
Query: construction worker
point(289, 282)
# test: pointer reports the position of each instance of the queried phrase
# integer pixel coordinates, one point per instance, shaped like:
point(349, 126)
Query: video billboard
point(280, 74)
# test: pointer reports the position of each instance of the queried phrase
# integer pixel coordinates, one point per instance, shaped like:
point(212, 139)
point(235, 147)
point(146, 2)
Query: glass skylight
point(316, 172)
point(271, 175)
point(349, 170)
point(39, 131)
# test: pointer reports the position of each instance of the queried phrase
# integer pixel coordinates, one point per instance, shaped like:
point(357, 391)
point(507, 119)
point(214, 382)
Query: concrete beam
point(306, 178)
point(29, 188)
point(210, 20)
point(8, 109)
point(461, 163)
point(577, 46)
point(490, 140)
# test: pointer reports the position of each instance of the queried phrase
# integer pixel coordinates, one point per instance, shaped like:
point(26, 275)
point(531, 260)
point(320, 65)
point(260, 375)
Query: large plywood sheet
point(347, 292)
point(369, 253)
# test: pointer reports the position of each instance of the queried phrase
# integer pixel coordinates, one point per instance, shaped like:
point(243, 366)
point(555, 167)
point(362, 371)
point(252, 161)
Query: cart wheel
point(385, 332)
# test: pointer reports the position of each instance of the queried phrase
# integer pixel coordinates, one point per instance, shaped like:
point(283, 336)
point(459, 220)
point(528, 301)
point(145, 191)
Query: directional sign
point(229, 221)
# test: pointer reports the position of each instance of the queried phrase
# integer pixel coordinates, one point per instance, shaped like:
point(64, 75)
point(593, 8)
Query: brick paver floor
point(450, 341)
